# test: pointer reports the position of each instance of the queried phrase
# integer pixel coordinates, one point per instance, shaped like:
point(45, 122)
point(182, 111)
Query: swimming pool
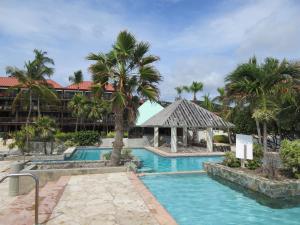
point(151, 162)
point(196, 199)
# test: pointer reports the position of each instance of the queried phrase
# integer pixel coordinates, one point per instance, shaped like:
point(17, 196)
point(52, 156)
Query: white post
point(156, 137)
point(184, 136)
point(209, 139)
point(173, 139)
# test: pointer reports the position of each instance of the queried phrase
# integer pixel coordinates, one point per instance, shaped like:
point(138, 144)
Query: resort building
point(11, 118)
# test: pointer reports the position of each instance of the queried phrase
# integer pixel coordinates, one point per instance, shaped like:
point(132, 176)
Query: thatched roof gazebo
point(185, 114)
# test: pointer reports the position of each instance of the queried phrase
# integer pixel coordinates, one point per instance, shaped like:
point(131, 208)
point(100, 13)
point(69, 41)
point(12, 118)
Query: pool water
point(151, 162)
point(196, 199)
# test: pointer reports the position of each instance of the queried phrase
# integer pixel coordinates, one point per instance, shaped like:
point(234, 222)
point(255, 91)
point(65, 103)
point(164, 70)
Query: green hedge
point(221, 139)
point(81, 138)
point(290, 156)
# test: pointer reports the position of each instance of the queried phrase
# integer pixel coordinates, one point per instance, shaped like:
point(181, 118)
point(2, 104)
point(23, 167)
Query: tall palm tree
point(76, 78)
point(255, 84)
point(195, 88)
point(129, 67)
point(77, 106)
point(179, 91)
point(30, 83)
point(41, 62)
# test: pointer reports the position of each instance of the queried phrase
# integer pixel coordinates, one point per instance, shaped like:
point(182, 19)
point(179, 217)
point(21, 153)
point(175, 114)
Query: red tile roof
point(12, 81)
point(86, 85)
point(83, 86)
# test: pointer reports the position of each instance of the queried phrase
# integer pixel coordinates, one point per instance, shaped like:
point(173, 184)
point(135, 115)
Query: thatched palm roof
point(183, 113)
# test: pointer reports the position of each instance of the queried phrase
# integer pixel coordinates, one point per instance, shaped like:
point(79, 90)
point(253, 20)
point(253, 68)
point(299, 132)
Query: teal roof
point(146, 111)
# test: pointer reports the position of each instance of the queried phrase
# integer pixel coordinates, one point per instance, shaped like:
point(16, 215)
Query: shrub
point(257, 157)
point(86, 138)
point(290, 156)
point(221, 139)
point(111, 134)
point(230, 160)
point(126, 154)
point(107, 155)
point(70, 143)
point(82, 138)
point(61, 136)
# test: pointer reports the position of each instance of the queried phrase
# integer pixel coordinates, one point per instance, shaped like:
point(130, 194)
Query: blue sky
point(196, 40)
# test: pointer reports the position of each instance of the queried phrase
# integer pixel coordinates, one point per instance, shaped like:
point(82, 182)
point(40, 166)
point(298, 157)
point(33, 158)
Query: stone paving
point(101, 199)
point(5, 199)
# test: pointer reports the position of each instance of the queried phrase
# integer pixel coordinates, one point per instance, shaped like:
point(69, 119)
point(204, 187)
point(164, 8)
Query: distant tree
point(45, 129)
point(195, 88)
point(207, 103)
point(95, 109)
point(76, 78)
point(179, 91)
point(77, 106)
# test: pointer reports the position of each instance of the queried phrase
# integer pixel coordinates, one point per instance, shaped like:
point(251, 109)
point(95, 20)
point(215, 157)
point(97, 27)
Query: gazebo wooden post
point(209, 139)
point(156, 137)
point(173, 139)
point(184, 136)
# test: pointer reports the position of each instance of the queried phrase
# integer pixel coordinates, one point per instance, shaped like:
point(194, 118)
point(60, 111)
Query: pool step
point(146, 170)
point(21, 211)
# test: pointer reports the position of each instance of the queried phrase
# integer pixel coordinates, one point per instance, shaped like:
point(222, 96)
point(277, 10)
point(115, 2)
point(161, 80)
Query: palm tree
point(76, 78)
point(195, 88)
point(45, 128)
point(255, 84)
point(179, 91)
point(130, 69)
point(77, 106)
point(95, 110)
point(41, 62)
point(207, 103)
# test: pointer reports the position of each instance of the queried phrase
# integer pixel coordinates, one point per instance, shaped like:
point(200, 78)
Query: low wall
point(270, 188)
point(128, 142)
point(26, 184)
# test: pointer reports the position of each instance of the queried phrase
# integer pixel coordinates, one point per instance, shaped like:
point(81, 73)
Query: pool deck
point(182, 154)
point(108, 199)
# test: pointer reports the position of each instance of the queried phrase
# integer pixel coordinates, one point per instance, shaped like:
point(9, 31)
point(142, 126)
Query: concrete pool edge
point(182, 154)
point(161, 215)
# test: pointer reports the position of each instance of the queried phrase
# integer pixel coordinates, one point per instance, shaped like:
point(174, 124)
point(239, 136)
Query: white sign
point(244, 145)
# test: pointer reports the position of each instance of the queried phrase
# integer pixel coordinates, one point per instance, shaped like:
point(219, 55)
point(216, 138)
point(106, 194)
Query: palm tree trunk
point(28, 120)
point(229, 136)
point(76, 126)
point(38, 107)
point(265, 136)
point(45, 148)
point(195, 99)
point(51, 152)
point(258, 131)
point(118, 143)
point(30, 108)
point(94, 124)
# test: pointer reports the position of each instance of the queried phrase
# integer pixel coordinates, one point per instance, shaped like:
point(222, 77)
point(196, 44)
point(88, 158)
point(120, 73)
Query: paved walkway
point(101, 199)
point(5, 199)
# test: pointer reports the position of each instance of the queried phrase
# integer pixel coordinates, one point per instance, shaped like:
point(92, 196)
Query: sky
point(196, 40)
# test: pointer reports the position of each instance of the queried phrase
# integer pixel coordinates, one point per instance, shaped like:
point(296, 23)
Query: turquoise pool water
point(151, 161)
point(196, 199)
